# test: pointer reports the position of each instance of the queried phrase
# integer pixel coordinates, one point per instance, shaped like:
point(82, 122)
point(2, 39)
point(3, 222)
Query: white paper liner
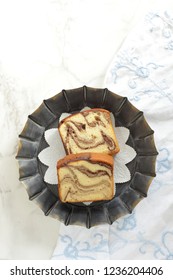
point(55, 151)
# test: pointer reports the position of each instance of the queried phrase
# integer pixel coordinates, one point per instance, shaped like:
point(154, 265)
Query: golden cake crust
point(107, 159)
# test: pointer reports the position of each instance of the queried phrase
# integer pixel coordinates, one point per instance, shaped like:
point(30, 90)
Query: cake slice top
point(85, 177)
point(89, 131)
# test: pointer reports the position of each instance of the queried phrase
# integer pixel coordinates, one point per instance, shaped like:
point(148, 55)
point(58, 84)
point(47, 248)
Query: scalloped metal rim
point(31, 170)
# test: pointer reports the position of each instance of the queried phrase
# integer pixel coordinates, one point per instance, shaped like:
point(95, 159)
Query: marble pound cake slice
point(85, 177)
point(89, 131)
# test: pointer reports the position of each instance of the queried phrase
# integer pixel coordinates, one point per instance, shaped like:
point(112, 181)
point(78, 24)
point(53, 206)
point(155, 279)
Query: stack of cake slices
point(86, 173)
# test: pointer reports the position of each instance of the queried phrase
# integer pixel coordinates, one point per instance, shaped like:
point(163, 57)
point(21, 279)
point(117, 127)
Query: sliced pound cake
point(89, 131)
point(85, 177)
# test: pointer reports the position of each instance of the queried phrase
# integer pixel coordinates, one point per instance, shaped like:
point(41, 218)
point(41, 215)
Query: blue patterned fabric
point(142, 70)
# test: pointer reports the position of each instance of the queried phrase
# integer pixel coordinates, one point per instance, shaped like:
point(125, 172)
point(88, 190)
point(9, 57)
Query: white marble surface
point(46, 46)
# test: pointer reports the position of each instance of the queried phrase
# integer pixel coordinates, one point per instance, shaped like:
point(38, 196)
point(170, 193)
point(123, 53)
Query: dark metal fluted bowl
point(32, 142)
